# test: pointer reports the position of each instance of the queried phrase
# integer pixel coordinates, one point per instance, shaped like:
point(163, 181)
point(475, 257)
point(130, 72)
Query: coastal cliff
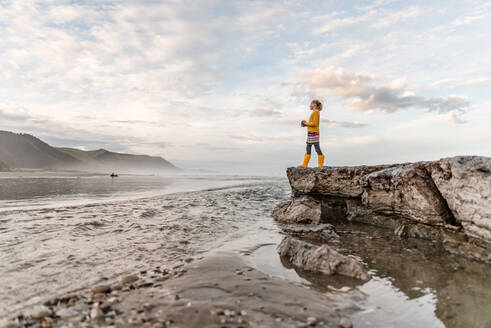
point(447, 201)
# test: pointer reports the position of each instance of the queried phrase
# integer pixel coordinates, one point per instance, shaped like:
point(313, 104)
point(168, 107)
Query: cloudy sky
point(224, 84)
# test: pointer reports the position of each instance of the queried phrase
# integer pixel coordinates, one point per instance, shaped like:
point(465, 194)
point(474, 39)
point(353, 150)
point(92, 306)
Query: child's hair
point(318, 104)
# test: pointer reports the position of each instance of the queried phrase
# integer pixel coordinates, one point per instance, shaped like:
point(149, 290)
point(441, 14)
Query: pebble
point(189, 259)
point(66, 313)
point(311, 321)
point(129, 279)
point(112, 300)
point(39, 312)
point(96, 312)
point(345, 323)
point(100, 289)
point(98, 296)
point(146, 284)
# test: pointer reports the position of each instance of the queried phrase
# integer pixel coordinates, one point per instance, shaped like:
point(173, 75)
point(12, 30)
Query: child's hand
point(303, 123)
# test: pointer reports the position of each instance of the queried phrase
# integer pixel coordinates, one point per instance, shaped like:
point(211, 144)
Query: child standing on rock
point(313, 133)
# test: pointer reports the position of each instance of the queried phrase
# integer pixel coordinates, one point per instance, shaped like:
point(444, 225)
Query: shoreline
point(217, 290)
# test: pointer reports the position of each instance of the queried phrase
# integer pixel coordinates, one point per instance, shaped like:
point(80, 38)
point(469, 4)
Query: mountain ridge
point(22, 150)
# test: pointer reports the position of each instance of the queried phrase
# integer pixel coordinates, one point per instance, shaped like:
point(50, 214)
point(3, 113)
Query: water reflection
point(414, 282)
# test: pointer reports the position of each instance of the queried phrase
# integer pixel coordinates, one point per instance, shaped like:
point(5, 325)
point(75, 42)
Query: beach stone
point(322, 259)
point(66, 312)
point(304, 209)
point(96, 312)
point(129, 279)
point(101, 289)
point(39, 312)
point(345, 323)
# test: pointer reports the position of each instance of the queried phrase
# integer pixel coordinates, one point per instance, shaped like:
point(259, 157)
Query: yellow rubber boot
point(321, 160)
point(306, 160)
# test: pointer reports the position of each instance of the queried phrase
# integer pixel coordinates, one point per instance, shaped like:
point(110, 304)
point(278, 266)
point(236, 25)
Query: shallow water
point(54, 248)
point(414, 282)
point(47, 251)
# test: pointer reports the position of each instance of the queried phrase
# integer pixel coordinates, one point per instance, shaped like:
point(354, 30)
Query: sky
point(223, 84)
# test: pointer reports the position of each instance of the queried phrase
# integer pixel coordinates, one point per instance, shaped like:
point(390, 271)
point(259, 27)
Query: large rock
point(465, 184)
point(333, 181)
point(302, 209)
point(322, 259)
point(406, 191)
point(451, 192)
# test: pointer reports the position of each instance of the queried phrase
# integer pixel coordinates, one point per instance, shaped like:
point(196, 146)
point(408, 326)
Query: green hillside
point(83, 155)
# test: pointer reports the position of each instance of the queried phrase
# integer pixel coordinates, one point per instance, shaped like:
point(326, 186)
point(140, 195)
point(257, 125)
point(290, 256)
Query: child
point(313, 133)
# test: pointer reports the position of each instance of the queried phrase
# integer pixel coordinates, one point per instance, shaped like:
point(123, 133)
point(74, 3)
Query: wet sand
point(218, 291)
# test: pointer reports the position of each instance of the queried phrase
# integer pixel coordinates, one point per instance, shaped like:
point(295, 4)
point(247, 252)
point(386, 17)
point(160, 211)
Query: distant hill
point(118, 161)
point(26, 151)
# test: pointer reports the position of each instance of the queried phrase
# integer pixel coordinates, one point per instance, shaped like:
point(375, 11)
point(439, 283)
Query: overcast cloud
point(231, 80)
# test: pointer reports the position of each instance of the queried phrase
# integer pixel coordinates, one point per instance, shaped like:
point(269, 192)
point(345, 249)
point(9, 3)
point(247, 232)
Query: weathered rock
point(101, 289)
point(333, 181)
point(428, 198)
point(465, 184)
point(325, 230)
point(303, 209)
point(406, 191)
point(320, 259)
point(39, 312)
point(129, 279)
point(66, 313)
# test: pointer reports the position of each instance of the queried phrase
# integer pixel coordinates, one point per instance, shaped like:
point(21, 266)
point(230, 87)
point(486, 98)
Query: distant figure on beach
point(313, 133)
point(113, 175)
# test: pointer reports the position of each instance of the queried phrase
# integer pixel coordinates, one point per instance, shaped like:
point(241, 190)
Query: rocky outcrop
point(446, 200)
point(465, 185)
point(303, 209)
point(321, 259)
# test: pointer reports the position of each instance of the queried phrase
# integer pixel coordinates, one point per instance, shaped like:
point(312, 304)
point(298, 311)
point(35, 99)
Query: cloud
point(454, 82)
point(340, 22)
point(342, 124)
point(266, 112)
point(365, 95)
point(395, 17)
point(329, 123)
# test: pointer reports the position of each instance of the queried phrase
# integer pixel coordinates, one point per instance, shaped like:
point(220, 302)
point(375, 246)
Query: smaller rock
point(345, 323)
point(39, 312)
point(101, 289)
point(116, 286)
point(311, 321)
point(66, 313)
point(189, 259)
point(96, 313)
point(129, 279)
point(98, 296)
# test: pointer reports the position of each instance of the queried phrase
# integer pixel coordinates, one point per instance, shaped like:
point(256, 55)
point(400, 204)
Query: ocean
point(61, 232)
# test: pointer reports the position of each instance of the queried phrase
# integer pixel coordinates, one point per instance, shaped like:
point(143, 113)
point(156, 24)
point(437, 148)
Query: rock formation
point(321, 259)
point(446, 200)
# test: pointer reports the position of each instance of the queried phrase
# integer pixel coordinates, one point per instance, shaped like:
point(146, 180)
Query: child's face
point(313, 106)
